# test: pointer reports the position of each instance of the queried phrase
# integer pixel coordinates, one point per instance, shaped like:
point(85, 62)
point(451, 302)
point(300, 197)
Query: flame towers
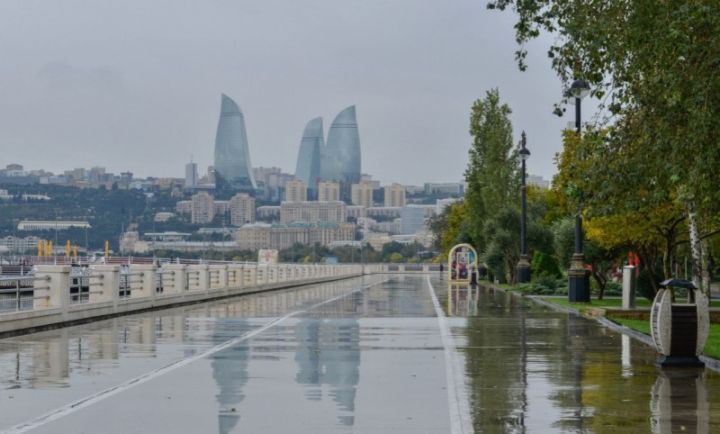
point(309, 157)
point(232, 156)
point(339, 160)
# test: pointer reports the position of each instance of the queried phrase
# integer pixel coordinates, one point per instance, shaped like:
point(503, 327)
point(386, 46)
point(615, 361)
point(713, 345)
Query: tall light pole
point(578, 275)
point(522, 270)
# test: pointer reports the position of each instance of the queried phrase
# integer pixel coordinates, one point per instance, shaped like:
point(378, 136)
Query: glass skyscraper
point(341, 159)
point(232, 156)
point(311, 148)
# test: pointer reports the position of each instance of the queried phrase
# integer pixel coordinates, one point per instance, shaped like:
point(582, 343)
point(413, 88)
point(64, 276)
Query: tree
point(492, 172)
point(656, 66)
point(450, 227)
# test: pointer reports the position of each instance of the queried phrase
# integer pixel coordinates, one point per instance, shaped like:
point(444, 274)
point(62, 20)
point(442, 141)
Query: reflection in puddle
point(230, 372)
point(328, 353)
point(533, 370)
point(679, 402)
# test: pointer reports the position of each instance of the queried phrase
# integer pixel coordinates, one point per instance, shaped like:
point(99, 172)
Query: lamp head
point(579, 89)
point(524, 152)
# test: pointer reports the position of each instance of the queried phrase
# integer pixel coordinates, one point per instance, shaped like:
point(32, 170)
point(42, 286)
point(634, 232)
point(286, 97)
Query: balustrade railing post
point(144, 274)
point(105, 284)
point(52, 286)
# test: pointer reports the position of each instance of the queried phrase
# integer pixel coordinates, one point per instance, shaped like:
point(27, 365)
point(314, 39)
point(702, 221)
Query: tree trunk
point(602, 282)
point(695, 246)
point(705, 266)
point(668, 256)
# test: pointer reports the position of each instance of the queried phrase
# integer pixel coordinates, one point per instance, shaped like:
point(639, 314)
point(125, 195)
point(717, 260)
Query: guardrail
point(64, 293)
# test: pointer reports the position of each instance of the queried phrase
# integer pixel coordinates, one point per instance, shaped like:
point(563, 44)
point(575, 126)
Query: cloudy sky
point(135, 84)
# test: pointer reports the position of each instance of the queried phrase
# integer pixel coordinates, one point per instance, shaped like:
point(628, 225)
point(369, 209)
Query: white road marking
point(87, 401)
point(458, 402)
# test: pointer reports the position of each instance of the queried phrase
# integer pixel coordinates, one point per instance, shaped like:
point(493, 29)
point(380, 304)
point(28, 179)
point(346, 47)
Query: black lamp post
point(578, 275)
point(522, 270)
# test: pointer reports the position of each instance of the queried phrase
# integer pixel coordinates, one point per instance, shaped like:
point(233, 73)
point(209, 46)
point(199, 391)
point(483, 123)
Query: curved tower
point(232, 157)
point(311, 146)
point(341, 159)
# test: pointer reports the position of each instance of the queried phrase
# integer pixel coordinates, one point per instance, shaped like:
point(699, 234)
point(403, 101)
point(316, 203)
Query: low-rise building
point(282, 236)
point(356, 212)
point(268, 213)
point(313, 212)
point(162, 216)
point(12, 244)
point(49, 225)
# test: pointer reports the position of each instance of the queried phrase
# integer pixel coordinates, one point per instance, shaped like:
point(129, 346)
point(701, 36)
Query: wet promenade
point(375, 355)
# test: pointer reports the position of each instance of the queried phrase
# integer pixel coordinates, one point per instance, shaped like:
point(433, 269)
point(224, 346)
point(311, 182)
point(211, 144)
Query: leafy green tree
point(492, 172)
point(450, 227)
point(655, 65)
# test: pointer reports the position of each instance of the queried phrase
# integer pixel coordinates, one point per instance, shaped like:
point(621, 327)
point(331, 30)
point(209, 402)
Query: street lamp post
point(522, 270)
point(578, 275)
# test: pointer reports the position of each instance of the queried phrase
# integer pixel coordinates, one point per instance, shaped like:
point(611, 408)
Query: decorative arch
point(462, 262)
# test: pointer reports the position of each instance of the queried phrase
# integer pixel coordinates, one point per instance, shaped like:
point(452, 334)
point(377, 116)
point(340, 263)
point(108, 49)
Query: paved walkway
point(383, 354)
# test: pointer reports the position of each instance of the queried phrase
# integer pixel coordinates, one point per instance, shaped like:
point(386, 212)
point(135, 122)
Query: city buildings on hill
point(271, 183)
point(232, 156)
point(203, 208)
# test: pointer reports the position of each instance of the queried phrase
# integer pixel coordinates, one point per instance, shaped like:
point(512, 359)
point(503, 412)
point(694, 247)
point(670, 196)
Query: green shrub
point(547, 281)
point(545, 264)
point(613, 289)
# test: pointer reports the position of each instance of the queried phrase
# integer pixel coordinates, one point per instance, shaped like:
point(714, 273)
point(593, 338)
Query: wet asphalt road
point(356, 356)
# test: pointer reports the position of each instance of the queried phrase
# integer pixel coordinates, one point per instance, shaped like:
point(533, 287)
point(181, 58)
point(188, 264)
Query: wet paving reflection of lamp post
point(522, 270)
point(578, 276)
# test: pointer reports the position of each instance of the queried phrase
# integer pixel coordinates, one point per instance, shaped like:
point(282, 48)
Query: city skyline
point(109, 102)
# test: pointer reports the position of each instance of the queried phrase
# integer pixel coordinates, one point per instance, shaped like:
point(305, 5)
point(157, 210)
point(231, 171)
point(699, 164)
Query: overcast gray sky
point(135, 84)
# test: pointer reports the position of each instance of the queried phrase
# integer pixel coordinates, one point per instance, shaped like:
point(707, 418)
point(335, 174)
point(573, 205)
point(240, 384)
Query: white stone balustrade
point(168, 284)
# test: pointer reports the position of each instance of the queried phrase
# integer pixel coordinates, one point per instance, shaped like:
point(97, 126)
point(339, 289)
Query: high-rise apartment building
point(362, 194)
point(313, 212)
point(395, 195)
point(202, 208)
point(242, 209)
point(295, 191)
point(232, 156)
point(191, 175)
point(328, 191)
